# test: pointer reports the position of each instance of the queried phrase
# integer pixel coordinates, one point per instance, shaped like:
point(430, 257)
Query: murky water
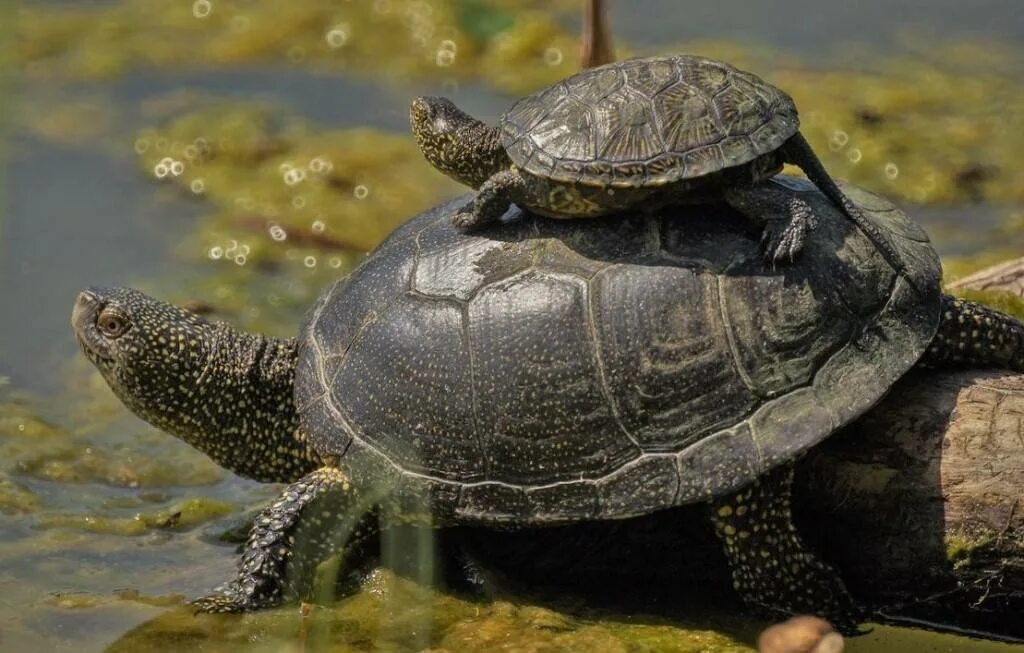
point(106, 524)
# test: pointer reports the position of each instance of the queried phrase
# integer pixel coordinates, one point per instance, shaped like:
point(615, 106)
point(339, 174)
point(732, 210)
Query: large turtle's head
point(456, 143)
point(225, 392)
point(152, 354)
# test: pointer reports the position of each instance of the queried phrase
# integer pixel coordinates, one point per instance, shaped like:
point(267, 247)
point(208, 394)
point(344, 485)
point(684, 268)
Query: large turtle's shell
point(647, 122)
point(549, 371)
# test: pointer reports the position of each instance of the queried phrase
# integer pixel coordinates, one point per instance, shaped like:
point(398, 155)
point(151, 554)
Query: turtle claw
point(783, 241)
point(229, 599)
point(217, 604)
point(466, 221)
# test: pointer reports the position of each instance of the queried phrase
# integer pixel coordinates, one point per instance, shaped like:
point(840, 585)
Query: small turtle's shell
point(647, 122)
point(555, 371)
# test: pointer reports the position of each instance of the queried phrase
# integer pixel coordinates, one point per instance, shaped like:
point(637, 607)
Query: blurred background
point(236, 155)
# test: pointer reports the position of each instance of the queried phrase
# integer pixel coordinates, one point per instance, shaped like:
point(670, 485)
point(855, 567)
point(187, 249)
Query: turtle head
point(152, 354)
point(455, 142)
point(226, 392)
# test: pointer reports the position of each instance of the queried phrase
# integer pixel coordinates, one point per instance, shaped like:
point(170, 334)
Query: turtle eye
point(111, 324)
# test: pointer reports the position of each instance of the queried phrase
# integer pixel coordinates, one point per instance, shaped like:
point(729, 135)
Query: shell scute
point(634, 112)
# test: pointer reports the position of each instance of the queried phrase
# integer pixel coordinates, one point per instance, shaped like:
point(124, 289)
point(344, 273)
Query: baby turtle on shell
point(552, 373)
point(637, 134)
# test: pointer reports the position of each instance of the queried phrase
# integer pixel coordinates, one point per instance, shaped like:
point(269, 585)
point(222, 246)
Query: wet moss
point(961, 547)
point(393, 614)
point(440, 39)
point(180, 517)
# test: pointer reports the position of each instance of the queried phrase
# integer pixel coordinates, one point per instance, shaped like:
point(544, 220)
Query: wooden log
point(1007, 277)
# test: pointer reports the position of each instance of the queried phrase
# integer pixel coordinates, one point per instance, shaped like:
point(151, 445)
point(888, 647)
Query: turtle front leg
point(771, 568)
point(313, 518)
point(786, 218)
point(492, 200)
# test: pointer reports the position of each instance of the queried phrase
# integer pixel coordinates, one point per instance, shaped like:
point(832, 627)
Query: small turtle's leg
point(492, 200)
point(799, 152)
point(771, 568)
point(314, 517)
point(783, 236)
point(971, 336)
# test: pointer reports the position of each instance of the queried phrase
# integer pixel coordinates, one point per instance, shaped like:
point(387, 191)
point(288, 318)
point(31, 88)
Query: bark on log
point(920, 505)
point(1008, 277)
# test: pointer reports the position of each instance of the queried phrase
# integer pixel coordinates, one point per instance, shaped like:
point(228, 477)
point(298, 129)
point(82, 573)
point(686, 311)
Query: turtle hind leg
point(313, 517)
point(971, 335)
point(785, 218)
point(492, 200)
point(771, 568)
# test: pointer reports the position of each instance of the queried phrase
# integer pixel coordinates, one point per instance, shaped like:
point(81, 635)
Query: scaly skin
point(230, 394)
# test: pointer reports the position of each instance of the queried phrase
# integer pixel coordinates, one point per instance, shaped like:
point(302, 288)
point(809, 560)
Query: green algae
point(394, 614)
point(961, 547)
point(180, 517)
point(439, 39)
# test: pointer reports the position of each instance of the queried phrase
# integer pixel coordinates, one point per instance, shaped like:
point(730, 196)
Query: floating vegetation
point(445, 39)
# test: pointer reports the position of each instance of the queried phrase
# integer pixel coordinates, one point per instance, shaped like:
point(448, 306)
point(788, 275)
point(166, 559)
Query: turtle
point(632, 134)
point(547, 372)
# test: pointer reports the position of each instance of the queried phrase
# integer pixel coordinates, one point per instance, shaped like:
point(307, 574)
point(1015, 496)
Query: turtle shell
point(554, 371)
point(647, 122)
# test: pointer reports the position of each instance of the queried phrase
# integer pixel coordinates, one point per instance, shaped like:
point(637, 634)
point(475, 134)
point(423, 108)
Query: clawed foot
point(466, 221)
point(231, 599)
point(782, 241)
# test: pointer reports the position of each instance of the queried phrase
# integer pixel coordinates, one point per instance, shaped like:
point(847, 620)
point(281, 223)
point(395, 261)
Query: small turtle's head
point(152, 354)
point(456, 143)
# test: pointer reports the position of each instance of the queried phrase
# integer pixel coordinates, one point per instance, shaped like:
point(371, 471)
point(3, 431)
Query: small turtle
point(637, 133)
point(551, 373)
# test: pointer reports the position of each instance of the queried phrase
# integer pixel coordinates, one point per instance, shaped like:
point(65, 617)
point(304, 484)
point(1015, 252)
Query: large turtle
point(632, 134)
point(550, 372)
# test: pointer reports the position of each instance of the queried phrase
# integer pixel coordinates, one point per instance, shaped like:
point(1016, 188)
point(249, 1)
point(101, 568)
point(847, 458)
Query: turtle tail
point(798, 152)
point(971, 336)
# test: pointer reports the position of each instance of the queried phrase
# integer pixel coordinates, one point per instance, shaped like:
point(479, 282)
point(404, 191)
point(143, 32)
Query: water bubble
point(240, 259)
point(298, 202)
point(444, 58)
point(337, 36)
point(161, 144)
point(177, 167)
point(838, 140)
point(161, 170)
point(320, 165)
point(309, 261)
point(854, 155)
point(216, 252)
point(232, 248)
point(891, 171)
point(285, 167)
point(198, 186)
point(191, 152)
point(277, 232)
point(141, 145)
point(294, 176)
point(361, 192)
point(335, 262)
point(318, 226)
point(202, 8)
point(553, 56)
